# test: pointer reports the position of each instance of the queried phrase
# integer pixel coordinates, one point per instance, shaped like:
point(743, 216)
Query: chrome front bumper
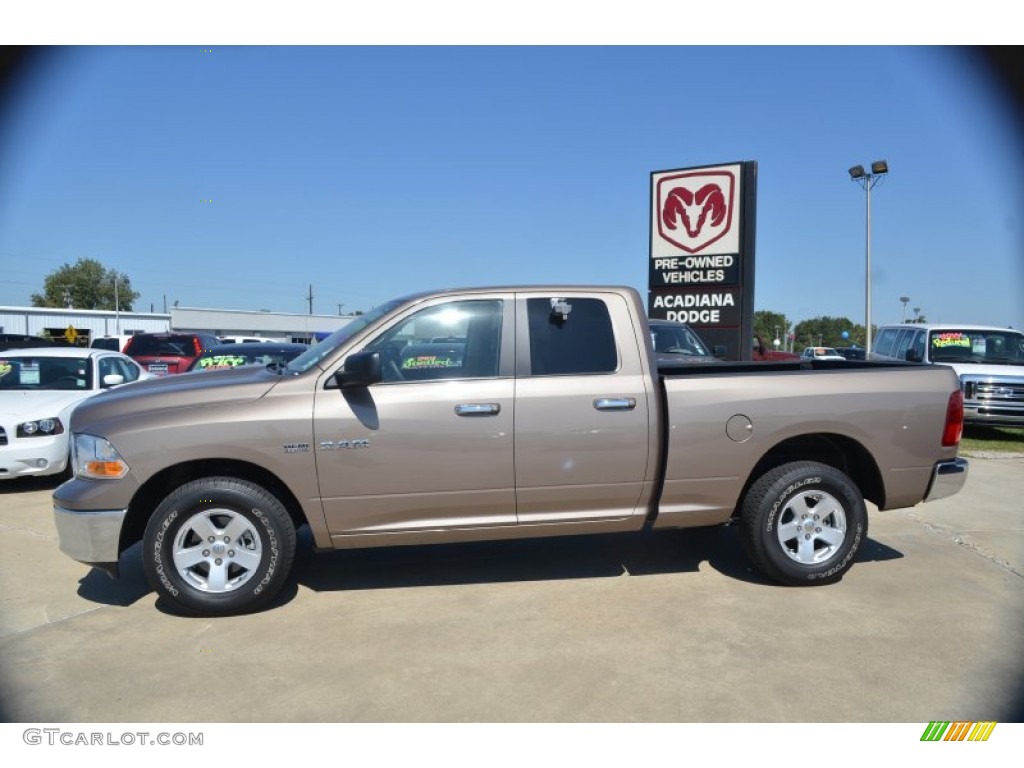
point(947, 478)
point(90, 536)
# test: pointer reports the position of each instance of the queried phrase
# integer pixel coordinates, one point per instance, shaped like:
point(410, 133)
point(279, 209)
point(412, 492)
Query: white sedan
point(821, 353)
point(39, 387)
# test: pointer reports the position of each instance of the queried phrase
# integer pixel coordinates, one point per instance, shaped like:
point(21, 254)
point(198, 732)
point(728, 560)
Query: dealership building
point(79, 326)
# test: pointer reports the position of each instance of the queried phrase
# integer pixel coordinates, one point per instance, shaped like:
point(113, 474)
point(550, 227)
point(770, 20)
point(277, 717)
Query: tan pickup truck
point(497, 413)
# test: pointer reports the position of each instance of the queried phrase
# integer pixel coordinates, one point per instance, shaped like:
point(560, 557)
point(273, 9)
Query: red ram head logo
point(695, 209)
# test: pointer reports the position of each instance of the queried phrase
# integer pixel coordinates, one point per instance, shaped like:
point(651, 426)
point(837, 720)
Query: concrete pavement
point(670, 627)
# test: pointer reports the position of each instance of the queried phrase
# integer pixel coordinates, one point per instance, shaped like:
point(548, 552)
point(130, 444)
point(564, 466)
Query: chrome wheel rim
point(812, 527)
point(217, 551)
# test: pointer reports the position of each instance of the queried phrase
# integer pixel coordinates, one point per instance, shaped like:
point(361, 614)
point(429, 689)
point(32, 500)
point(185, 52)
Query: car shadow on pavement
point(525, 560)
point(24, 484)
point(126, 589)
point(874, 551)
point(571, 557)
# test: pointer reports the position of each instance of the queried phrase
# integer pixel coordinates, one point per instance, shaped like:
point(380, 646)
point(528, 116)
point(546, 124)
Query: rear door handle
point(478, 409)
point(615, 403)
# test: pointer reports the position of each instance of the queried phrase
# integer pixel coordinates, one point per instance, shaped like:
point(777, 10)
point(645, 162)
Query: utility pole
point(117, 309)
point(310, 299)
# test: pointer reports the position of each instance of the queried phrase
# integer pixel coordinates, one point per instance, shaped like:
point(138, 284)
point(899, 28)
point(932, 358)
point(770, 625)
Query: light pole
point(904, 299)
point(879, 168)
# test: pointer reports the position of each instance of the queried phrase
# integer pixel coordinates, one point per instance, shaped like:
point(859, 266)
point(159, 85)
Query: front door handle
point(615, 403)
point(478, 409)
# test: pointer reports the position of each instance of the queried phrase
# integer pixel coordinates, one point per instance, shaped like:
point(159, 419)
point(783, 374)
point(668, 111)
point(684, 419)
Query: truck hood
point(183, 390)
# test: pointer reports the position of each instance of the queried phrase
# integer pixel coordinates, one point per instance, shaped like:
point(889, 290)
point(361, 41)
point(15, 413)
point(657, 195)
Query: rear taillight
point(954, 420)
point(197, 345)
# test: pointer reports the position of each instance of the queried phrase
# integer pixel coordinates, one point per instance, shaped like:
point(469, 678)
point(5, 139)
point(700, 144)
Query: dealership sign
point(702, 252)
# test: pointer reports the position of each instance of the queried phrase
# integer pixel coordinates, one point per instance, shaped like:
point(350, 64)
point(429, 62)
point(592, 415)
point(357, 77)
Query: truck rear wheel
point(803, 523)
point(218, 546)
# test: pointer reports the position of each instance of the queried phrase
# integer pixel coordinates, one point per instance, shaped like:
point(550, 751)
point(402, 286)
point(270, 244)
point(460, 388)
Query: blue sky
point(370, 172)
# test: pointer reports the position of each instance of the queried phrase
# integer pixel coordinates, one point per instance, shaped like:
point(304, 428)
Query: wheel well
point(157, 487)
point(844, 453)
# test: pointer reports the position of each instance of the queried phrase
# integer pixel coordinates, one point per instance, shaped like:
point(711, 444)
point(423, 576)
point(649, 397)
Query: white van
point(113, 343)
point(989, 361)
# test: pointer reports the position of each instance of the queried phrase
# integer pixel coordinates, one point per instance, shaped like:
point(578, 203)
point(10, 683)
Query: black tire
point(219, 546)
point(803, 523)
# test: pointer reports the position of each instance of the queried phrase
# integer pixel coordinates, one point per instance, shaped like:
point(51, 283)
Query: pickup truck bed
point(497, 413)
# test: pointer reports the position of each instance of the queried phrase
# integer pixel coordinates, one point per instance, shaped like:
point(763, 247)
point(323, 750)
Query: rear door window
point(917, 344)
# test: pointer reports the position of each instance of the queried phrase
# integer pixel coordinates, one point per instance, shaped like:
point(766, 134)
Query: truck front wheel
point(219, 546)
point(803, 523)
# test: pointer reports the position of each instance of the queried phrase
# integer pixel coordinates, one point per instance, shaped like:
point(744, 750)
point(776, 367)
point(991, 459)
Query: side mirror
point(913, 356)
point(360, 370)
point(113, 379)
point(719, 350)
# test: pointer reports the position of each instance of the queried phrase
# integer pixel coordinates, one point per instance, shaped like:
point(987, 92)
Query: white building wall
point(274, 325)
point(223, 322)
point(35, 320)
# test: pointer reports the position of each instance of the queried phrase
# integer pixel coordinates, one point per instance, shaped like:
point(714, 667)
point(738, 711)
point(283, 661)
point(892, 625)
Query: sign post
point(702, 252)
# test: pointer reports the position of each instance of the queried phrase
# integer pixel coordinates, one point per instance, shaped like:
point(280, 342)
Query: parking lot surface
point(667, 627)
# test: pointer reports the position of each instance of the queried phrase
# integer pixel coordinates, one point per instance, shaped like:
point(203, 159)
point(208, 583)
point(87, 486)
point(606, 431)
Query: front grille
point(1006, 412)
point(994, 393)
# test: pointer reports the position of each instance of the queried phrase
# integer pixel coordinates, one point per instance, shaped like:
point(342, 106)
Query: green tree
point(828, 331)
point(770, 326)
point(86, 284)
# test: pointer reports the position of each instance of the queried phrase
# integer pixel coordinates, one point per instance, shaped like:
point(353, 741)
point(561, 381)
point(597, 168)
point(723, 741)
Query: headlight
point(40, 428)
point(95, 458)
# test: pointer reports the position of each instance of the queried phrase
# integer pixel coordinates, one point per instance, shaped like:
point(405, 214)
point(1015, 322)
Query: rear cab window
point(175, 346)
point(884, 342)
point(570, 336)
point(903, 343)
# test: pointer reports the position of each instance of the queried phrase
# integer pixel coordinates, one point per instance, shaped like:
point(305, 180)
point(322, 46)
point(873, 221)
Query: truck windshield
point(677, 339)
point(952, 345)
point(322, 349)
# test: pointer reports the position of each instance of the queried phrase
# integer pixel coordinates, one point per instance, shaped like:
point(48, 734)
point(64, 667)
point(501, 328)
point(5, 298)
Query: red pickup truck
point(764, 351)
